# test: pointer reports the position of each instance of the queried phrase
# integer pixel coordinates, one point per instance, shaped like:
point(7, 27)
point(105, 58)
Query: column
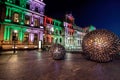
point(21, 35)
point(8, 33)
point(7, 12)
point(10, 12)
point(31, 37)
point(5, 33)
point(32, 21)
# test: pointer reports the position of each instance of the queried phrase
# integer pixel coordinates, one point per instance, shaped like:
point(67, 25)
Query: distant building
point(53, 32)
point(74, 34)
point(58, 32)
point(69, 31)
point(48, 31)
point(78, 37)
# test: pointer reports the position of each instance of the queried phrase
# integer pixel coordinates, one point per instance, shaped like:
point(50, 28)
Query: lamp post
point(14, 39)
point(14, 46)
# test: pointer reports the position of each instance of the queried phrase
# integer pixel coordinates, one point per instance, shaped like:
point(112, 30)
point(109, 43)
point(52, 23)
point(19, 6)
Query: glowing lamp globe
point(100, 45)
point(57, 51)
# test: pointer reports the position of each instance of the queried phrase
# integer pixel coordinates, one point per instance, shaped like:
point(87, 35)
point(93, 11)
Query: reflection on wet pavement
point(35, 65)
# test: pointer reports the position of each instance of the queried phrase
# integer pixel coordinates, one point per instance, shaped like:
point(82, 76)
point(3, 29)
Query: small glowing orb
point(57, 51)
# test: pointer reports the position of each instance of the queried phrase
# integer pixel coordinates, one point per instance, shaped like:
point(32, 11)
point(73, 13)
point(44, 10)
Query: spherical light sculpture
point(100, 45)
point(57, 51)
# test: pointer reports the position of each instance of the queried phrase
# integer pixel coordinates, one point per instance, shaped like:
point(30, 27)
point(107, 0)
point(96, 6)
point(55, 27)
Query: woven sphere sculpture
point(57, 51)
point(100, 45)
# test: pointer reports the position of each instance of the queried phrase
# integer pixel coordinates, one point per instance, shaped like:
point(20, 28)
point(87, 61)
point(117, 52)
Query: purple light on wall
point(41, 36)
point(31, 37)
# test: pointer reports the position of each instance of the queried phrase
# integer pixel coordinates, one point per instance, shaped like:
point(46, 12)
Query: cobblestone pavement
point(36, 65)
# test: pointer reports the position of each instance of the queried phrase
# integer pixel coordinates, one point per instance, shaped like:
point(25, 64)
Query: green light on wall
point(8, 29)
point(7, 20)
point(5, 34)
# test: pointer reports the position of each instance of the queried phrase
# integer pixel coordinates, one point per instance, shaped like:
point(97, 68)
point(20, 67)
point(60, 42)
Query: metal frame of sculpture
point(100, 45)
point(57, 51)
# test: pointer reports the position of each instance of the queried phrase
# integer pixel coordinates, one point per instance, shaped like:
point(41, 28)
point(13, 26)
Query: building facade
point(48, 31)
point(74, 34)
point(69, 31)
point(53, 32)
point(78, 37)
point(21, 23)
point(58, 32)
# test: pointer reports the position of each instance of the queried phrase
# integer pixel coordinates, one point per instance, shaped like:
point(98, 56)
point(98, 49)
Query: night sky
point(103, 14)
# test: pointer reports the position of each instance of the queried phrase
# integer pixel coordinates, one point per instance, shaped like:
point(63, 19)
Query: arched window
point(36, 22)
point(16, 17)
point(26, 38)
point(60, 32)
point(36, 9)
point(27, 20)
point(60, 40)
point(56, 32)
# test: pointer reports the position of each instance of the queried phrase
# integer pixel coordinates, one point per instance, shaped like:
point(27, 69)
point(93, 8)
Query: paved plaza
point(36, 65)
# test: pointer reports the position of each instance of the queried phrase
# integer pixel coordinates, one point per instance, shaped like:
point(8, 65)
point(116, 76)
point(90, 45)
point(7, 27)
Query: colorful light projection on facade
point(9, 29)
point(32, 32)
point(57, 32)
point(22, 11)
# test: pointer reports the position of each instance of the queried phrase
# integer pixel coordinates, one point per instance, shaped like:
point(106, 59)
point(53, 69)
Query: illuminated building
point(53, 31)
point(79, 33)
point(58, 32)
point(74, 34)
point(23, 24)
point(21, 21)
point(48, 31)
point(69, 31)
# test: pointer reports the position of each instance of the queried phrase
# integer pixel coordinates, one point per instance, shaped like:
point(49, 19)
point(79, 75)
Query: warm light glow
point(16, 17)
point(100, 45)
point(15, 31)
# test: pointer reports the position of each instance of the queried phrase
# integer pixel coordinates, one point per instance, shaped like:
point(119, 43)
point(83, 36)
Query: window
point(16, 17)
point(36, 23)
point(56, 40)
point(17, 2)
point(27, 20)
point(35, 39)
point(26, 38)
point(60, 32)
point(15, 36)
point(36, 9)
point(60, 40)
point(56, 32)
point(27, 6)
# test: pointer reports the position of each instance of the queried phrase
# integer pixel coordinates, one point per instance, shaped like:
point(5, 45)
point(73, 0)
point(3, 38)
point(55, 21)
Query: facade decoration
point(69, 31)
point(23, 25)
point(21, 22)
point(48, 31)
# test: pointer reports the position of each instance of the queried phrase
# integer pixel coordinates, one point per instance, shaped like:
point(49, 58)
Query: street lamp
point(14, 39)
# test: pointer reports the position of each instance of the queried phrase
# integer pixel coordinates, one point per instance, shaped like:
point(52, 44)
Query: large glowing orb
point(100, 45)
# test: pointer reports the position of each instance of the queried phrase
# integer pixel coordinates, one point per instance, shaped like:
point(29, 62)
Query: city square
point(37, 65)
point(59, 40)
